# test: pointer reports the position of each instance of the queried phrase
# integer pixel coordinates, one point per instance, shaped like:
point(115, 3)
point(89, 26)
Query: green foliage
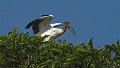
point(20, 50)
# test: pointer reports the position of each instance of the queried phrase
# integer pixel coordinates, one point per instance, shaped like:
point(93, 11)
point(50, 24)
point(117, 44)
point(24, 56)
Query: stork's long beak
point(72, 30)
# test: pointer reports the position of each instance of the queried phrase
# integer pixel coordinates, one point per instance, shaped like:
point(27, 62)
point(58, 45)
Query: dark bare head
point(67, 25)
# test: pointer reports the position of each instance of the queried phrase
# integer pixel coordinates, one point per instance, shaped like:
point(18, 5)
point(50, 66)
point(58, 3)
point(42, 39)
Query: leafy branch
point(20, 50)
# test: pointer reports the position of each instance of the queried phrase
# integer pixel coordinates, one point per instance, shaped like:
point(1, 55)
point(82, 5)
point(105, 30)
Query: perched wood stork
point(42, 27)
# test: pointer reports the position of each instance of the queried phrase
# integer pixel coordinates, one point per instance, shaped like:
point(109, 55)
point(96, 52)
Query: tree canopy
point(20, 50)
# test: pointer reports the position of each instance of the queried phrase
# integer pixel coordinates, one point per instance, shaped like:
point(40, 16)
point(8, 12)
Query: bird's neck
point(64, 29)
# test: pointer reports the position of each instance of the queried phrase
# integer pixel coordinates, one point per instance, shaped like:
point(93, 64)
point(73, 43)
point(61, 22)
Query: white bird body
point(42, 27)
point(51, 33)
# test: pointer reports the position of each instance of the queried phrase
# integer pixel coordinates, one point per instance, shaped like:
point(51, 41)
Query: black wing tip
point(47, 15)
point(44, 15)
point(31, 23)
point(26, 27)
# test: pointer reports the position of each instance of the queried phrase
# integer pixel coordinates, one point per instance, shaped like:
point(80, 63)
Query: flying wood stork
point(42, 27)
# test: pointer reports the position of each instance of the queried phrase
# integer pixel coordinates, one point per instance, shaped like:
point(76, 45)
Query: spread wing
point(34, 25)
point(40, 25)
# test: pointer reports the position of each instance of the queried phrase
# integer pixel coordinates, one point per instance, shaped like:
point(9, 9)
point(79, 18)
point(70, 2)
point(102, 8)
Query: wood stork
point(42, 27)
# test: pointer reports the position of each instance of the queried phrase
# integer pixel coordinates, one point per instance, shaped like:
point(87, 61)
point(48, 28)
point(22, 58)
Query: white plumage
point(42, 27)
point(52, 33)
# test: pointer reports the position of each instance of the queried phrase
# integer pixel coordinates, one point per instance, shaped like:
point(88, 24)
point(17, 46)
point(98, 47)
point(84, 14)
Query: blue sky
point(90, 18)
